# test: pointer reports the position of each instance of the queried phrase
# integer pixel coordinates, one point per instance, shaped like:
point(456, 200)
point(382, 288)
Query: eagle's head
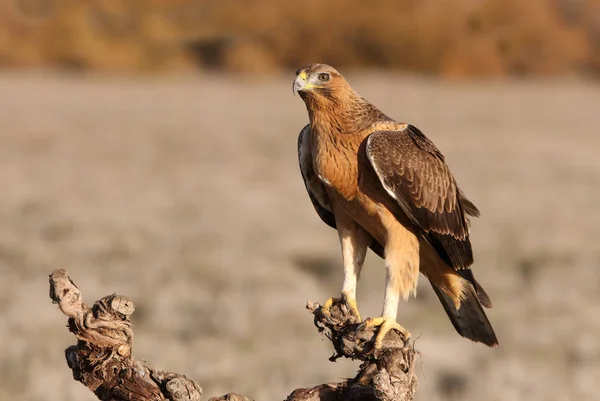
point(319, 82)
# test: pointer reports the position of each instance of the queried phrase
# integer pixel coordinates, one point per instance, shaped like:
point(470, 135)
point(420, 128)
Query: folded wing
point(316, 190)
point(413, 172)
point(314, 187)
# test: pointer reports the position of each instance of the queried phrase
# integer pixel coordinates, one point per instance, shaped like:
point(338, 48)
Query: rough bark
point(102, 358)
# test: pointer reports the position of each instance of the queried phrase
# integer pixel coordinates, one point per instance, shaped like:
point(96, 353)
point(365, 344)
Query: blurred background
point(435, 37)
point(149, 147)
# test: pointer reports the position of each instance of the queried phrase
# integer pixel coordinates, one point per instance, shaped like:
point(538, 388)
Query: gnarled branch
point(102, 359)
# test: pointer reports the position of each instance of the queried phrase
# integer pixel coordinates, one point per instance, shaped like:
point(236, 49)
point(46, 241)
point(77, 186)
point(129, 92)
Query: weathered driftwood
point(387, 376)
point(102, 359)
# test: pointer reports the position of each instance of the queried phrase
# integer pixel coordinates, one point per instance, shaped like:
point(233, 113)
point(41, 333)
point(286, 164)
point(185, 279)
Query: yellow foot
point(345, 298)
point(385, 325)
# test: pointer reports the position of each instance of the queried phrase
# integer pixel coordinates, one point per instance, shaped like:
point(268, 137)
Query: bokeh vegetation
point(449, 38)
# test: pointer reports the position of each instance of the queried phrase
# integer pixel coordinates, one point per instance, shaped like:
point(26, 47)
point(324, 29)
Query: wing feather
point(316, 190)
point(413, 171)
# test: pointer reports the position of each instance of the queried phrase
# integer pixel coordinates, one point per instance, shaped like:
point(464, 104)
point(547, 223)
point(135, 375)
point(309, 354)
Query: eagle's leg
point(354, 241)
point(345, 298)
point(402, 274)
point(386, 324)
point(387, 321)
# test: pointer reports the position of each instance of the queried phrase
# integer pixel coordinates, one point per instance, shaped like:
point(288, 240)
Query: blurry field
point(462, 38)
point(184, 194)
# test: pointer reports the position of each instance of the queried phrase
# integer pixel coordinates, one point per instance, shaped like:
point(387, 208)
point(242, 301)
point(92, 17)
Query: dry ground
point(184, 193)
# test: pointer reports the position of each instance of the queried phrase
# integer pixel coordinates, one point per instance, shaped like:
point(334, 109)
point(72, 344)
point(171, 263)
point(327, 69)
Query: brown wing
point(315, 188)
point(412, 170)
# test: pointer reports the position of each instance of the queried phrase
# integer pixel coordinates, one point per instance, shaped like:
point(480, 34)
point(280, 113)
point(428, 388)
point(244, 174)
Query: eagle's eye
point(323, 77)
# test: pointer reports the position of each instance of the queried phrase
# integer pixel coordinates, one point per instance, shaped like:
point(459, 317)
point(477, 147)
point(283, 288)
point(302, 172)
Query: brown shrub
point(461, 38)
point(517, 38)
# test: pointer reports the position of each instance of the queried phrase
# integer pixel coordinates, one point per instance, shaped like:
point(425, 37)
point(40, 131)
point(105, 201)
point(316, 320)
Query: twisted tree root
point(102, 359)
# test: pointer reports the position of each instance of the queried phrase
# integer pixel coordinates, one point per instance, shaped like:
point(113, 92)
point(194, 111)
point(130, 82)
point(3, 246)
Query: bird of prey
point(384, 185)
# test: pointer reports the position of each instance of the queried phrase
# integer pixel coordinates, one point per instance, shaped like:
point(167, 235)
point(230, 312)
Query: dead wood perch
point(102, 359)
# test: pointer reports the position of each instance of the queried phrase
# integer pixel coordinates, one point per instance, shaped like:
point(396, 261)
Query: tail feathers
point(470, 320)
point(482, 295)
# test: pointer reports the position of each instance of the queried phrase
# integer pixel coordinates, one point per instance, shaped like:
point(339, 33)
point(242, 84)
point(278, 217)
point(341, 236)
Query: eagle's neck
point(338, 127)
point(333, 116)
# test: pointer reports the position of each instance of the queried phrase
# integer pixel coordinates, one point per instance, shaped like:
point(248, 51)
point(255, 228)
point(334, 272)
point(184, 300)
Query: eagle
point(383, 185)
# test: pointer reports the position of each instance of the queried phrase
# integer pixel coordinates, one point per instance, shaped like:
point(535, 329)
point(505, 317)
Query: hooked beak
point(300, 83)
